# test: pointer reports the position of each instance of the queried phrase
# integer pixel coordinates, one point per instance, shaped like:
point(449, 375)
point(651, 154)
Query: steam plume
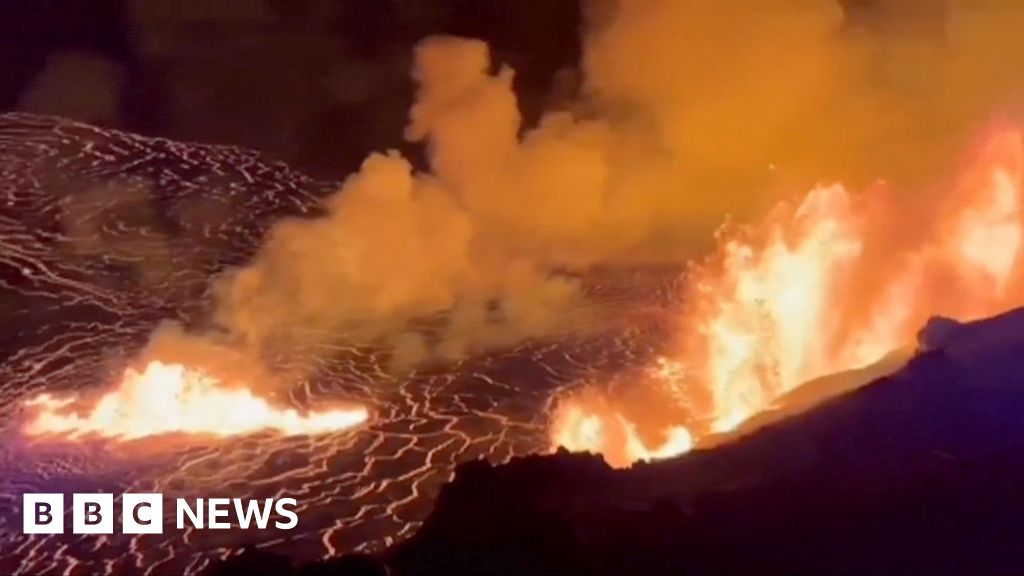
point(689, 110)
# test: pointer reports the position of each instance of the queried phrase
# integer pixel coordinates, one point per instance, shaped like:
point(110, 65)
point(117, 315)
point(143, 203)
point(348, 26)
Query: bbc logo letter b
point(92, 514)
point(42, 514)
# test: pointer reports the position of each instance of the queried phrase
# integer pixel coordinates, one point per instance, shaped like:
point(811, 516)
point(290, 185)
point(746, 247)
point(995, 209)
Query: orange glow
point(169, 398)
point(830, 283)
point(592, 425)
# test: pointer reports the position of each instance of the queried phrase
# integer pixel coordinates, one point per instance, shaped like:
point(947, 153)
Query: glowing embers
point(169, 398)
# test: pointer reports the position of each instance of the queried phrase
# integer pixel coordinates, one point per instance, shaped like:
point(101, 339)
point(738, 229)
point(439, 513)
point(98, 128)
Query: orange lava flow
point(590, 423)
point(829, 283)
point(169, 398)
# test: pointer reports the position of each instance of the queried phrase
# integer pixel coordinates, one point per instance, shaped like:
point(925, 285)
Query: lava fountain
point(829, 283)
point(170, 398)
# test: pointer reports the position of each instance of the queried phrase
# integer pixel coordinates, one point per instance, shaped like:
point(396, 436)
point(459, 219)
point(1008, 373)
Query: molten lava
point(591, 424)
point(169, 398)
point(830, 283)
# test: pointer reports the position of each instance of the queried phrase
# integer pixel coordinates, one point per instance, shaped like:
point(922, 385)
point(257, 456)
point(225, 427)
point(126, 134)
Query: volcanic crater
point(105, 234)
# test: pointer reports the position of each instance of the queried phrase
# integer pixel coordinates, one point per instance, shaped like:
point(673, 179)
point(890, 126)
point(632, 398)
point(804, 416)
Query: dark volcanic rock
point(514, 517)
point(253, 562)
point(916, 473)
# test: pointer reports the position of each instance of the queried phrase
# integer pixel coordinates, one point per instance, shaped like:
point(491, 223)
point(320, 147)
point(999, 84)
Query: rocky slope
point(916, 473)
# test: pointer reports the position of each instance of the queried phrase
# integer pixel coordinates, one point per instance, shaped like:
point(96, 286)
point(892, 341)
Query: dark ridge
point(916, 473)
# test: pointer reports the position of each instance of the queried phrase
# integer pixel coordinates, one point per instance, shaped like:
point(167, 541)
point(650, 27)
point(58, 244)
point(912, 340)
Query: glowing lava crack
point(169, 398)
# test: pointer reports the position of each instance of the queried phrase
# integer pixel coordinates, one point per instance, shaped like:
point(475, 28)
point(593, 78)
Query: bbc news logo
point(144, 513)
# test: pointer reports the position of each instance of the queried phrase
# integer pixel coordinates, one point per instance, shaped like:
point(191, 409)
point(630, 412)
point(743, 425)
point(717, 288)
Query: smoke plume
point(688, 111)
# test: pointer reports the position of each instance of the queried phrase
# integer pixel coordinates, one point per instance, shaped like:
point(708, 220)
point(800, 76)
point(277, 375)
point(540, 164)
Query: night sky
point(316, 83)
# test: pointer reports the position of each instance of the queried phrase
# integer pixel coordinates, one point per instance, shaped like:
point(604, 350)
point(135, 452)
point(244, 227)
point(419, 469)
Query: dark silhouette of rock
point(348, 565)
point(252, 562)
point(507, 519)
point(916, 473)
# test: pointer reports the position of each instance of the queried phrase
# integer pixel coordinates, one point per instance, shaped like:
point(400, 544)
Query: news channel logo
point(143, 513)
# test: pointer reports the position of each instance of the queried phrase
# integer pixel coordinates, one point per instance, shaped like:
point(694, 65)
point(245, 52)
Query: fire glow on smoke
point(830, 283)
point(169, 398)
point(825, 284)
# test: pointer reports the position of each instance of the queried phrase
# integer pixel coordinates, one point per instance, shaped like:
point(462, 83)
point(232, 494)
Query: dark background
point(316, 83)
